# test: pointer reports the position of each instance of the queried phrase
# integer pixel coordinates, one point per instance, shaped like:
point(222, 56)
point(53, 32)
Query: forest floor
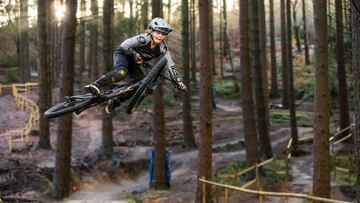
point(26, 173)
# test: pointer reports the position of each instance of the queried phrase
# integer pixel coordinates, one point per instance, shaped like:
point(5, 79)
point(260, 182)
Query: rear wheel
point(145, 86)
point(71, 104)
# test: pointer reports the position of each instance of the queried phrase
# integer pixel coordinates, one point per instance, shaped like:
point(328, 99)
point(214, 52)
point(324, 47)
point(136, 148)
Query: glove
point(138, 59)
point(181, 86)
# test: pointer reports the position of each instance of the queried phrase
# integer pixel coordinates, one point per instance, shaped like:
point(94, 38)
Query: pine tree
point(61, 183)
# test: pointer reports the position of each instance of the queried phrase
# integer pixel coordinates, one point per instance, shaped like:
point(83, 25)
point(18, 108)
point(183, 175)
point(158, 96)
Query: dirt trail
point(115, 185)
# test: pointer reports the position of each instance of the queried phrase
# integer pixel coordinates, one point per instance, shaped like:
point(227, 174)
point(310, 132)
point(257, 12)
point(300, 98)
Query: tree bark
point(341, 69)
point(274, 80)
point(263, 59)
point(189, 140)
point(53, 40)
point(355, 21)
point(261, 120)
point(193, 44)
point(159, 175)
point(82, 39)
point(247, 102)
point(305, 35)
point(94, 42)
point(293, 124)
point(222, 39)
point(24, 42)
point(212, 39)
point(44, 75)
point(131, 21)
point(205, 152)
point(61, 184)
point(107, 127)
point(144, 14)
point(285, 85)
point(296, 26)
point(321, 176)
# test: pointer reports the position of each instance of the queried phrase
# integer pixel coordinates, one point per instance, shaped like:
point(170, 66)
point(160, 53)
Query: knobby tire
point(75, 105)
point(145, 86)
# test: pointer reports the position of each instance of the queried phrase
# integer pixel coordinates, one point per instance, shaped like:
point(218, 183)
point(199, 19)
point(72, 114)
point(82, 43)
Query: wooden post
point(257, 176)
point(258, 180)
point(260, 197)
point(238, 196)
point(203, 190)
point(13, 88)
point(216, 189)
point(310, 194)
point(226, 195)
point(237, 180)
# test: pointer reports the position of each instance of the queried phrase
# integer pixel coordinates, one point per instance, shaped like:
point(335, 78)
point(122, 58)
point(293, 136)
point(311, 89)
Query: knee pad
point(122, 72)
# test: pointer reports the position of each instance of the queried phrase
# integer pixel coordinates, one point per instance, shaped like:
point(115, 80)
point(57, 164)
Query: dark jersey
point(141, 44)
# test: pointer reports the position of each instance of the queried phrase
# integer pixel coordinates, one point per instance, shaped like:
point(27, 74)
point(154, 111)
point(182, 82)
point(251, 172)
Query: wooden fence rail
point(288, 158)
point(25, 104)
point(261, 193)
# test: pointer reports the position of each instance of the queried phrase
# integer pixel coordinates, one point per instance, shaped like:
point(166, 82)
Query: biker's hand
point(138, 59)
point(181, 86)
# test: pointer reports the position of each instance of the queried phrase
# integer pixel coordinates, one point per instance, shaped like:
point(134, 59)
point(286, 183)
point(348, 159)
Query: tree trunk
point(205, 152)
point(189, 140)
point(212, 39)
point(131, 25)
point(24, 42)
point(61, 184)
point(144, 14)
point(82, 39)
point(193, 44)
point(261, 121)
point(221, 41)
point(159, 175)
point(247, 102)
point(305, 35)
point(321, 177)
point(107, 127)
point(285, 85)
point(53, 40)
point(296, 26)
point(169, 10)
point(355, 21)
point(226, 45)
point(293, 124)
point(263, 59)
point(274, 82)
point(341, 69)
point(94, 42)
point(44, 75)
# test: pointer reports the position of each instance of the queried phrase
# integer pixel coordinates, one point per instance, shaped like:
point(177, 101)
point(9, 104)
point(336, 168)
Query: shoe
point(111, 105)
point(93, 89)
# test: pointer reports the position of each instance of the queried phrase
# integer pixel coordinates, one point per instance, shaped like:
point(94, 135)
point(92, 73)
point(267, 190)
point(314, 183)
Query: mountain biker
point(130, 54)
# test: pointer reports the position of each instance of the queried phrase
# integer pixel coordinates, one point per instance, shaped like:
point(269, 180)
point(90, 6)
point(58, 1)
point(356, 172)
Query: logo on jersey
point(142, 40)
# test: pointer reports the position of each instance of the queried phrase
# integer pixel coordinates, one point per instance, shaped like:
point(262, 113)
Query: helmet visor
point(163, 30)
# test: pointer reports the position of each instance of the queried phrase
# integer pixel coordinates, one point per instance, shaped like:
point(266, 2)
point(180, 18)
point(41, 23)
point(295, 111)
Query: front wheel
point(71, 104)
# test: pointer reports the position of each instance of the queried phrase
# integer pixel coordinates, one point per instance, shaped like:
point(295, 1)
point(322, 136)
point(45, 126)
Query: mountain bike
point(135, 91)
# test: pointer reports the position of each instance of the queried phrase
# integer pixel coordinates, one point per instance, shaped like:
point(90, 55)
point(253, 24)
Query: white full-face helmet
point(160, 25)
